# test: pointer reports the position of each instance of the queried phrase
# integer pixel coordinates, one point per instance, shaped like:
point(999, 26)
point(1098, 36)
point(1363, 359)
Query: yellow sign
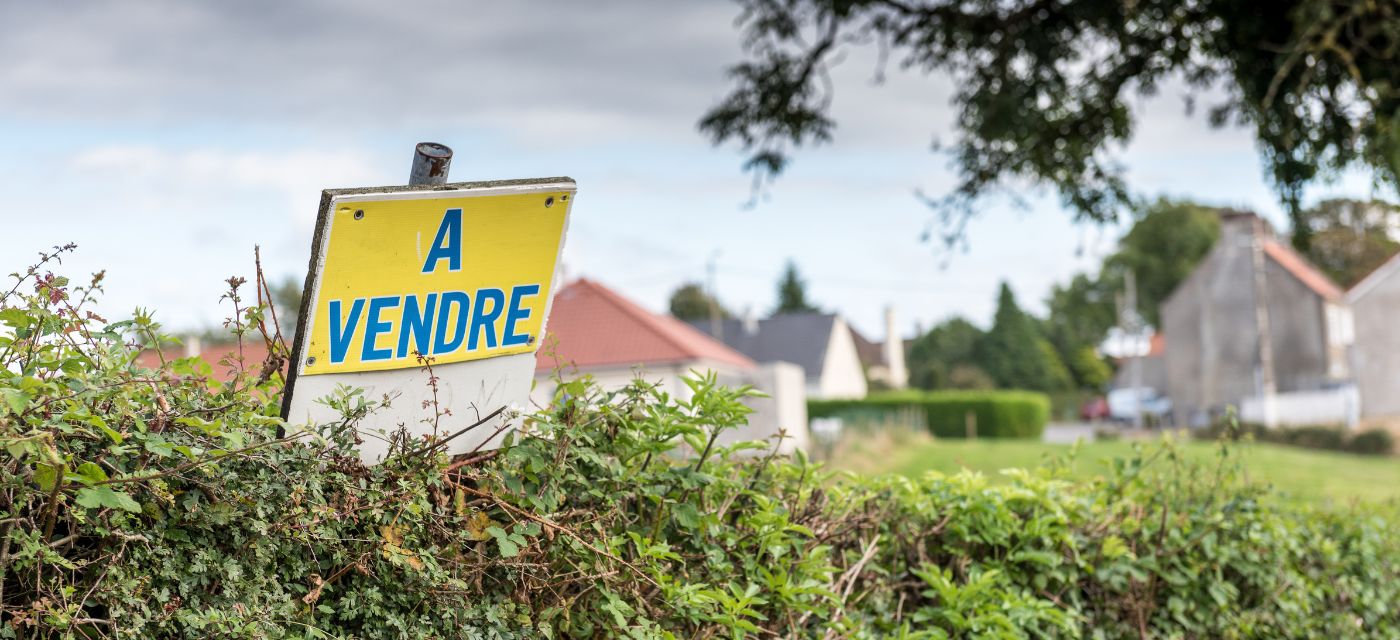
point(451, 275)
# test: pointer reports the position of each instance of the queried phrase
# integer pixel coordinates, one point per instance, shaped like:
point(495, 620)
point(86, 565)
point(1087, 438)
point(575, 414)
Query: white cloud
point(327, 65)
point(204, 128)
point(173, 179)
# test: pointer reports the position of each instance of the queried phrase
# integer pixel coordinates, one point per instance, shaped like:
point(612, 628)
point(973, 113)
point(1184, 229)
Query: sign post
point(460, 275)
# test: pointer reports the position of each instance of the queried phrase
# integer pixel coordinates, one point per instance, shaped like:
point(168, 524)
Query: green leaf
point(686, 514)
point(89, 473)
point(160, 447)
point(111, 433)
point(99, 497)
point(209, 428)
point(15, 399)
point(14, 317)
point(46, 475)
point(22, 448)
point(509, 548)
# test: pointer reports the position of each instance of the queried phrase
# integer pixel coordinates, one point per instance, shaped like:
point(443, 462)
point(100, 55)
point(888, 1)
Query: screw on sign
point(462, 274)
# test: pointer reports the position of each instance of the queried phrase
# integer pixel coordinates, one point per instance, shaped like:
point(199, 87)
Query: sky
point(167, 139)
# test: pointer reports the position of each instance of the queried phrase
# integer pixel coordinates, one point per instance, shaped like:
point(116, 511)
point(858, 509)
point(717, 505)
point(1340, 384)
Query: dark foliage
point(158, 503)
point(1044, 90)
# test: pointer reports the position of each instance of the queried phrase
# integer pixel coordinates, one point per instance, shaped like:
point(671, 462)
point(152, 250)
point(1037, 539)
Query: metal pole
point(430, 164)
point(716, 326)
point(1133, 320)
point(1268, 386)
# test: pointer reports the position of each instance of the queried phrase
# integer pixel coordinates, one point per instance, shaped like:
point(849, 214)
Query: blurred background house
point(226, 360)
point(1375, 356)
point(821, 343)
point(593, 330)
point(1256, 325)
point(884, 361)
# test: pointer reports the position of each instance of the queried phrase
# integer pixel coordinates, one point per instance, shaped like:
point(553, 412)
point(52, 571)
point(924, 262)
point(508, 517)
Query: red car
point(1095, 408)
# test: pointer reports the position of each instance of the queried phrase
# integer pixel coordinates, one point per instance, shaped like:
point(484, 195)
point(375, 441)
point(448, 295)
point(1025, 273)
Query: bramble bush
point(997, 414)
point(162, 503)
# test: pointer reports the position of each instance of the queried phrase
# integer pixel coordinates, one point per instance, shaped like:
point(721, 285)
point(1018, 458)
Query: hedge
point(139, 503)
point(999, 414)
point(1375, 442)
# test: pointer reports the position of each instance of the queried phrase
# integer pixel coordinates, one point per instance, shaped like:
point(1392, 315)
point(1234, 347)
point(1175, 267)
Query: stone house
point(1252, 311)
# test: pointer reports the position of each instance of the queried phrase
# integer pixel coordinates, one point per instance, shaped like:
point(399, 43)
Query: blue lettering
point(484, 320)
point(374, 326)
point(419, 322)
point(343, 332)
point(447, 244)
point(450, 299)
point(515, 314)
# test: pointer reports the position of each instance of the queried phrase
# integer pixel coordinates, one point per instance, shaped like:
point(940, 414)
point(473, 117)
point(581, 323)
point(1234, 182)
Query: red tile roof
point(592, 326)
point(1301, 269)
point(254, 354)
point(1157, 344)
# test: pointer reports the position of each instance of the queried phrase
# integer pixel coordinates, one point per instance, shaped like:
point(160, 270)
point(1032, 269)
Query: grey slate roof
point(798, 338)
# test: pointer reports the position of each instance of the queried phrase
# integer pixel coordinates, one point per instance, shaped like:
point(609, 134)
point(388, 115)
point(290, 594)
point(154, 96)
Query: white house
point(821, 343)
point(884, 361)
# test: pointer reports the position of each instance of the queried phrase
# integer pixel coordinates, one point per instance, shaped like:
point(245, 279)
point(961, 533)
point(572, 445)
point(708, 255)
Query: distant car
point(1095, 408)
point(1128, 403)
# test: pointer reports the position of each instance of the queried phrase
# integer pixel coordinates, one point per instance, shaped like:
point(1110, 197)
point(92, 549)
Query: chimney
point(750, 322)
point(193, 347)
point(894, 351)
point(1238, 228)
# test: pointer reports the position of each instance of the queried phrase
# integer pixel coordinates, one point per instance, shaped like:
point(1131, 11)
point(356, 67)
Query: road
point(1068, 432)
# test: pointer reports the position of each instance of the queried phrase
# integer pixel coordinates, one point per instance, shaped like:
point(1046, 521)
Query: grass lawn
point(1320, 477)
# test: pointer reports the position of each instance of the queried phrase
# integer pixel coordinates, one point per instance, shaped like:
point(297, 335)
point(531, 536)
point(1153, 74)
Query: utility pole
point(716, 326)
point(1132, 326)
point(1268, 387)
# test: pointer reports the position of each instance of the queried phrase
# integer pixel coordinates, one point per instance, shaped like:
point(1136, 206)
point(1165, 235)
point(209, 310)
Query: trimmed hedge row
point(998, 414)
point(138, 503)
point(1374, 442)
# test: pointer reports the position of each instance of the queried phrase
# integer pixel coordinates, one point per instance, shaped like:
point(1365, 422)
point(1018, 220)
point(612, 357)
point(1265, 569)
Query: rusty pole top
point(430, 164)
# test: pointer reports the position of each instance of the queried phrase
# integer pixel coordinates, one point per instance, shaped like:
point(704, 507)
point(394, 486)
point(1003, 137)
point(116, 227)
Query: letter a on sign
point(458, 277)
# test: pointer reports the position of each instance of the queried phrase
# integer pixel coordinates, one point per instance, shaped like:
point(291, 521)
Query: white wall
point(1302, 408)
point(842, 375)
point(785, 409)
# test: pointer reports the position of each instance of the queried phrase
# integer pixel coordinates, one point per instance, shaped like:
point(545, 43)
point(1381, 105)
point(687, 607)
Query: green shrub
point(997, 414)
point(141, 503)
point(1377, 442)
point(1315, 437)
point(1328, 438)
